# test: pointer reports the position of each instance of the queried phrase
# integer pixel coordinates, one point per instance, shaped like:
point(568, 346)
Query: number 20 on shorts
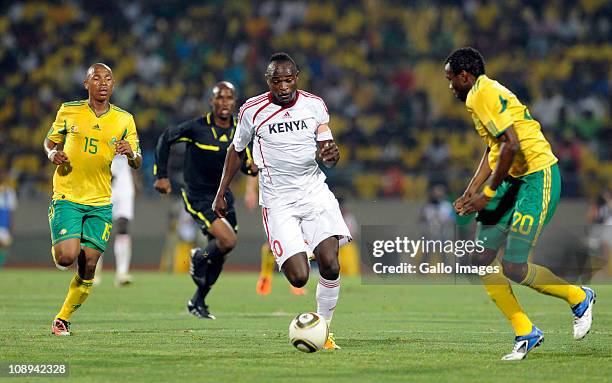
point(522, 223)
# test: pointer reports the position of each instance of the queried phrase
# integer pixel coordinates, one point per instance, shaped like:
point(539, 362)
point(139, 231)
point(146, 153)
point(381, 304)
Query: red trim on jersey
point(264, 216)
point(266, 120)
point(270, 116)
point(263, 159)
point(259, 110)
point(310, 95)
point(251, 103)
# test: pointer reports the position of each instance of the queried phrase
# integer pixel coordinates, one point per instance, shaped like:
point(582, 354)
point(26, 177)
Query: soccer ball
point(308, 332)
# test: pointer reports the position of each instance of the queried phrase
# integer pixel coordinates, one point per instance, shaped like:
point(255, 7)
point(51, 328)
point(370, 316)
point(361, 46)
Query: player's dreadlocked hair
point(282, 56)
point(467, 59)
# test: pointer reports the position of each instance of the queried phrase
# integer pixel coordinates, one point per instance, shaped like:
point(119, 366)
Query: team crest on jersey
point(74, 129)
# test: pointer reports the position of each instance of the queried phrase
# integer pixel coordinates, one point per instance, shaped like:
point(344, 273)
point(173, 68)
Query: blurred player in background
point(300, 213)
point(521, 190)
point(264, 283)
point(123, 214)
point(437, 222)
point(82, 142)
point(122, 199)
point(8, 203)
point(207, 139)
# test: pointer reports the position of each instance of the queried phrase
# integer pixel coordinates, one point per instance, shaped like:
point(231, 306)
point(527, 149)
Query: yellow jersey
point(89, 142)
point(494, 108)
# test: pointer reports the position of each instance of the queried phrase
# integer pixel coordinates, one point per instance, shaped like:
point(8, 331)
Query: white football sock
point(327, 297)
point(123, 253)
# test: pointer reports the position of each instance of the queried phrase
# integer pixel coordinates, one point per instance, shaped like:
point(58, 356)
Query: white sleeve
point(244, 131)
point(321, 114)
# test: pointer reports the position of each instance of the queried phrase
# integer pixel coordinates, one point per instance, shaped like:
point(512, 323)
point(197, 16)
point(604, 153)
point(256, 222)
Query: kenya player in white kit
point(123, 212)
point(122, 198)
point(288, 126)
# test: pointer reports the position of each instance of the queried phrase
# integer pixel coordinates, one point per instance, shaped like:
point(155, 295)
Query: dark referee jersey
point(205, 155)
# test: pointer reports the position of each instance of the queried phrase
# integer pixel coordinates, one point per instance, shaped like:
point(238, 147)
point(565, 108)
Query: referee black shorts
point(201, 210)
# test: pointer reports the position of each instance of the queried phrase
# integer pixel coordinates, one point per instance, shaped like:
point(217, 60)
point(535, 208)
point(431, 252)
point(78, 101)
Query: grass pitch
point(387, 333)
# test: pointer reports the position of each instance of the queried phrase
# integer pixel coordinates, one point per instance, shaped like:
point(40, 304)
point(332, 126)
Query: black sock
point(206, 266)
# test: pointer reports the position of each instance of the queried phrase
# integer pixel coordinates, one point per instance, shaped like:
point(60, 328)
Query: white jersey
point(123, 183)
point(122, 188)
point(284, 145)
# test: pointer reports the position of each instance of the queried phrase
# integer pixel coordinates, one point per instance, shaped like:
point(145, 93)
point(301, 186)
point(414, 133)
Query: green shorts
point(518, 212)
point(91, 224)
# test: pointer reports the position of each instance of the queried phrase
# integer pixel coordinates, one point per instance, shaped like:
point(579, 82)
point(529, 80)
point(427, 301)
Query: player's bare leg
point(66, 252)
point(296, 269)
point(207, 263)
point(80, 286)
point(328, 288)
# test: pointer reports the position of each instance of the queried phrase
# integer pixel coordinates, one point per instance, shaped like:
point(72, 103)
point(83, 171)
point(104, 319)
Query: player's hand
point(252, 167)
point(330, 152)
point(163, 186)
point(459, 202)
point(474, 204)
point(124, 148)
point(59, 157)
point(219, 206)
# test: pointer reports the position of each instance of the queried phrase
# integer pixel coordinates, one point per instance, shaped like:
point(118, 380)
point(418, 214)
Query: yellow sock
point(77, 293)
point(499, 289)
point(267, 262)
point(544, 281)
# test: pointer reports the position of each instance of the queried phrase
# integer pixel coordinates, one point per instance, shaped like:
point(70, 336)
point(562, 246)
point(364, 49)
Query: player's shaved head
point(223, 102)
point(92, 69)
point(277, 58)
point(222, 85)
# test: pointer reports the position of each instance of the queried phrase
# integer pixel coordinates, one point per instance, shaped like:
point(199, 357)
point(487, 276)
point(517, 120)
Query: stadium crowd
point(377, 64)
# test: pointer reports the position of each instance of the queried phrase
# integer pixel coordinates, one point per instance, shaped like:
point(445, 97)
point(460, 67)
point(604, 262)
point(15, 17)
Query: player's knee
point(298, 278)
point(65, 256)
point(483, 259)
point(515, 271)
point(226, 244)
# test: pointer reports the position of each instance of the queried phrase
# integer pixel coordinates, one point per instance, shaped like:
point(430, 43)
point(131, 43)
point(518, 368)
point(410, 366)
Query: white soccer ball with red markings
point(308, 332)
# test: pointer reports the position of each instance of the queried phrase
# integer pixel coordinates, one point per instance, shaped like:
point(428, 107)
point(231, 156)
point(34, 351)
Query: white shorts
point(301, 226)
point(123, 205)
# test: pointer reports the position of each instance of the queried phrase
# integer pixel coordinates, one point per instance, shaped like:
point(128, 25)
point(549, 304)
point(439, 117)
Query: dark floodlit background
point(377, 64)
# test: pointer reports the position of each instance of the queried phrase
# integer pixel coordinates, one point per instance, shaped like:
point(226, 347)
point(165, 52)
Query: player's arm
point(162, 152)
point(129, 145)
point(54, 152)
point(250, 194)
point(482, 174)
point(233, 161)
point(509, 147)
point(54, 141)
point(328, 150)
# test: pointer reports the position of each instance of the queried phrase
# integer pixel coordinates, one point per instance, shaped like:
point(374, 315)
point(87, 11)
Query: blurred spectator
point(8, 203)
point(378, 65)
